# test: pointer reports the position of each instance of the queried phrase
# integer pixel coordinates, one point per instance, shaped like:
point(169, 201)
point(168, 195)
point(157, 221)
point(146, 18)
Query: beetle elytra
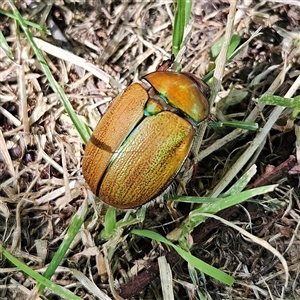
point(141, 142)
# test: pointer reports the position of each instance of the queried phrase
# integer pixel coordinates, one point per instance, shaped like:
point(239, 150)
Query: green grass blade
point(5, 47)
point(110, 223)
point(233, 200)
point(242, 182)
point(181, 19)
point(208, 76)
point(194, 261)
point(235, 124)
point(82, 129)
point(216, 47)
point(280, 101)
point(193, 199)
point(195, 219)
point(61, 291)
point(76, 223)
point(29, 23)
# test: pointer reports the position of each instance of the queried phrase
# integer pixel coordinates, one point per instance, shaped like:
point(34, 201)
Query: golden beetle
point(141, 142)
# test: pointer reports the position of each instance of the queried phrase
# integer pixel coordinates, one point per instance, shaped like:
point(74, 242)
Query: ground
point(41, 182)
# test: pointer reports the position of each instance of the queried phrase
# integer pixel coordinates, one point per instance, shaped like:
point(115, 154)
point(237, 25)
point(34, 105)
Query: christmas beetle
point(143, 139)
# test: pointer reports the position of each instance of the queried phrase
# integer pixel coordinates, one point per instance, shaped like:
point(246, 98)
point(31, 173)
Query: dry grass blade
point(166, 278)
point(5, 155)
point(260, 242)
point(261, 136)
point(76, 60)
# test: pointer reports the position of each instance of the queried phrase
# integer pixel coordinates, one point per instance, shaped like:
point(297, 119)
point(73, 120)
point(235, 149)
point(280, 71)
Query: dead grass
point(41, 184)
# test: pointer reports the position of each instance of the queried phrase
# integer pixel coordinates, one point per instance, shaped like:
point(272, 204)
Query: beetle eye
point(207, 94)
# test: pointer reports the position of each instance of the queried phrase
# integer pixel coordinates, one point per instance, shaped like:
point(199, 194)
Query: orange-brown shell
point(149, 160)
point(181, 91)
point(133, 156)
point(122, 116)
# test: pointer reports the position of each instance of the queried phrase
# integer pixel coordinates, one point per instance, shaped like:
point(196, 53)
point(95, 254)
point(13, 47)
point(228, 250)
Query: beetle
point(141, 142)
